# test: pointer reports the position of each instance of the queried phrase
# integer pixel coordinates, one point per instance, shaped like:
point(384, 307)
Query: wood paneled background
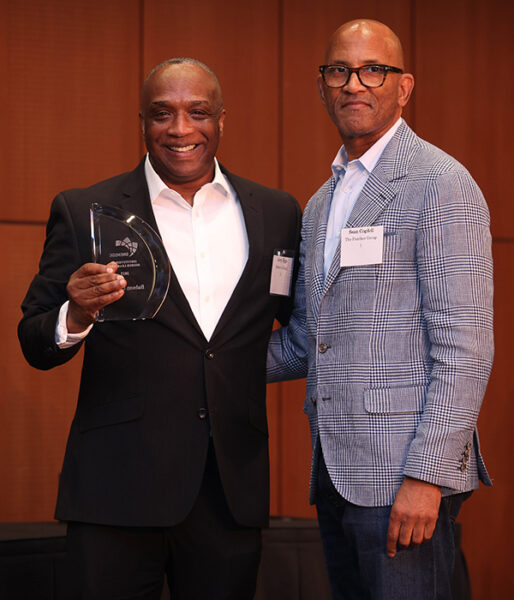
point(71, 73)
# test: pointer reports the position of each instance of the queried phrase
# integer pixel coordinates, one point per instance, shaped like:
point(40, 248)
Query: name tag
point(362, 246)
point(281, 273)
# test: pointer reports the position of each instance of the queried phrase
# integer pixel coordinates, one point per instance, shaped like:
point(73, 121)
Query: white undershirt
point(206, 243)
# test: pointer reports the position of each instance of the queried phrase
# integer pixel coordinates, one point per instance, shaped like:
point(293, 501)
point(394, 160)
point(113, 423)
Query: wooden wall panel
point(69, 107)
point(36, 407)
point(240, 44)
point(464, 91)
point(70, 77)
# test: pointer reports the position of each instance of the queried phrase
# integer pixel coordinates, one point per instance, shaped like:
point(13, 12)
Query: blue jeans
point(354, 544)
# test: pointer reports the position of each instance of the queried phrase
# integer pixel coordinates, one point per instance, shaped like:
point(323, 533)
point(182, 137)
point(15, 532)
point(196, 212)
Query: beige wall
point(71, 73)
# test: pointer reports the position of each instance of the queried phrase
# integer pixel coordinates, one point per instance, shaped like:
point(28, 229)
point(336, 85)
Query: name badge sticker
point(281, 273)
point(362, 246)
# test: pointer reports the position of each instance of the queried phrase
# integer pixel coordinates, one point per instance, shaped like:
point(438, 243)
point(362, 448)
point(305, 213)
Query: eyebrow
point(371, 61)
point(165, 102)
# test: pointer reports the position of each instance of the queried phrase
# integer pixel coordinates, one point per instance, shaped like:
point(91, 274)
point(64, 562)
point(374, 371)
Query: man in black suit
point(166, 466)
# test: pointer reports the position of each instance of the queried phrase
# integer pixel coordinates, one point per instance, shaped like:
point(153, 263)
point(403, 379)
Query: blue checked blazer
point(397, 355)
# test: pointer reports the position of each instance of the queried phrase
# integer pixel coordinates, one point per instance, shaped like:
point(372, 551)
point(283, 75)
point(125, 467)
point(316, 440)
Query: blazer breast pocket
point(392, 242)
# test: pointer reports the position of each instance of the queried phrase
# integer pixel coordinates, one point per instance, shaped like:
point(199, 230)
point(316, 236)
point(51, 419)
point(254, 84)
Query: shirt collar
point(156, 185)
point(369, 159)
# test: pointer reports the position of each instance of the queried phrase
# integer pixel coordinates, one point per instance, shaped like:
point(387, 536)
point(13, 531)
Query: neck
point(188, 189)
point(357, 145)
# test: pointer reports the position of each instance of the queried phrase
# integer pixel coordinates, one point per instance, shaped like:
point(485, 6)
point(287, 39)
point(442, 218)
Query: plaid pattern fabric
point(397, 355)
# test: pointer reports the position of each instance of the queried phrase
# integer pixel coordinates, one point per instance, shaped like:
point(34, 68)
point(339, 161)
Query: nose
point(180, 125)
point(354, 84)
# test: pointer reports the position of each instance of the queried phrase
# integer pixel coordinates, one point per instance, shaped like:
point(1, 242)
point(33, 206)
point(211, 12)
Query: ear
point(405, 87)
point(221, 121)
point(321, 89)
point(142, 123)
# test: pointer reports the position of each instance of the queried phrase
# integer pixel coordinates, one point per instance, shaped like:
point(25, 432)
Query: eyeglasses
point(371, 76)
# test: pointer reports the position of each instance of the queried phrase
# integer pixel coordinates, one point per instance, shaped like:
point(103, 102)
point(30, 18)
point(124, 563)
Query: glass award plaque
point(119, 236)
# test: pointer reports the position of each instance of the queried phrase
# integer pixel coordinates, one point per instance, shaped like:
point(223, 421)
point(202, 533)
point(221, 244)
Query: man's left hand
point(413, 515)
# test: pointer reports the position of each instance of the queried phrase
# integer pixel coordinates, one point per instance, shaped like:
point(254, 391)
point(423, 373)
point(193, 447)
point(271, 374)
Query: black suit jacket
point(137, 446)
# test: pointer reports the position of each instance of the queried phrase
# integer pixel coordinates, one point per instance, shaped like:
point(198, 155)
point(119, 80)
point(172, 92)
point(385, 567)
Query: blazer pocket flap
point(395, 400)
point(110, 413)
point(392, 242)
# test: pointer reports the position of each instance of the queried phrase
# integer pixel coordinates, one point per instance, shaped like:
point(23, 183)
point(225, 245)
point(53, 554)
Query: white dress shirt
point(206, 243)
point(350, 179)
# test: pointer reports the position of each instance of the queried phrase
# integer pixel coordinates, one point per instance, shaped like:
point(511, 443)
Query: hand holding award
point(121, 237)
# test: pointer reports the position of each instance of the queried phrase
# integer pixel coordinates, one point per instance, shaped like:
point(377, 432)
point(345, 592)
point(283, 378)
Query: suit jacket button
point(202, 413)
point(209, 354)
point(322, 348)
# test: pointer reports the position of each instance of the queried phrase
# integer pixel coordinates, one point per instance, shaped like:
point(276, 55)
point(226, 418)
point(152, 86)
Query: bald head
point(368, 30)
point(364, 112)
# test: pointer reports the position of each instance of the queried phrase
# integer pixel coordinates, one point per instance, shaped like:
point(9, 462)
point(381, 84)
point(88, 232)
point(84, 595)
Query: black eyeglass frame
point(387, 69)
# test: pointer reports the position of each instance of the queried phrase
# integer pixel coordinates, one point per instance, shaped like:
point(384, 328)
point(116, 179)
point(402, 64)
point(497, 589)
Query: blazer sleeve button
point(322, 348)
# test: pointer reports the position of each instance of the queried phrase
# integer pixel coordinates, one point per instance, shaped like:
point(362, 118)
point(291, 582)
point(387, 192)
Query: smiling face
point(362, 115)
point(182, 120)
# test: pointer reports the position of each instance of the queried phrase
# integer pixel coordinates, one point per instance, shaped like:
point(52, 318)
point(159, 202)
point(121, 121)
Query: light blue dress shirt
point(350, 178)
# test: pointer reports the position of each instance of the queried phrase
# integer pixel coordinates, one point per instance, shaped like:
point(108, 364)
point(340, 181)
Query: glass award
point(119, 236)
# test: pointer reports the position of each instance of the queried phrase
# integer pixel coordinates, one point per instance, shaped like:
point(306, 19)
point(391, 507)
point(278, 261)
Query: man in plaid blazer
point(393, 327)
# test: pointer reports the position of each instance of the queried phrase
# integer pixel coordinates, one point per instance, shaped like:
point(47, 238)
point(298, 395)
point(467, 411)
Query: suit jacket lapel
point(252, 213)
point(135, 198)
point(378, 191)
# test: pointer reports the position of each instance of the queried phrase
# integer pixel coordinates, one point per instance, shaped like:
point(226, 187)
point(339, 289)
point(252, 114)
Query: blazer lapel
point(378, 191)
point(319, 225)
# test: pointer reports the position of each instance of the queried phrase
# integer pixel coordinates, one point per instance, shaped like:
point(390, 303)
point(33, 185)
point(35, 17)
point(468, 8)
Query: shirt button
point(322, 348)
point(209, 354)
point(202, 413)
